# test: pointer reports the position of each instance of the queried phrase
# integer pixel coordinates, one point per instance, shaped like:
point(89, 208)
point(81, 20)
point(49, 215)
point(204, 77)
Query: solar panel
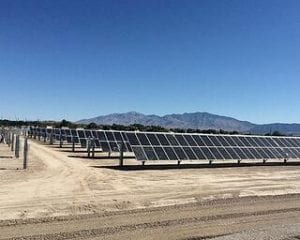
point(175, 146)
point(180, 146)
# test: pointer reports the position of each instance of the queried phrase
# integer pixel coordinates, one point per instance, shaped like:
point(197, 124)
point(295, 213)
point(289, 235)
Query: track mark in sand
point(205, 237)
point(149, 225)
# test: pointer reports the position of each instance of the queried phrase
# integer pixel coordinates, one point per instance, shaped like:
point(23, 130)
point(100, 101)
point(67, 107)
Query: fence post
point(121, 155)
point(60, 140)
point(7, 138)
point(51, 138)
point(73, 144)
point(89, 146)
point(25, 153)
point(12, 142)
point(17, 147)
point(93, 147)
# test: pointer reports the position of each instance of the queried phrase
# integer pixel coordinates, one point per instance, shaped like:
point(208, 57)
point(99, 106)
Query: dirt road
point(120, 204)
point(276, 217)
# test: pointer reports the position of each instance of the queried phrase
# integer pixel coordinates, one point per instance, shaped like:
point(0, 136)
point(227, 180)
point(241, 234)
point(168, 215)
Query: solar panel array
point(180, 146)
point(171, 146)
point(108, 141)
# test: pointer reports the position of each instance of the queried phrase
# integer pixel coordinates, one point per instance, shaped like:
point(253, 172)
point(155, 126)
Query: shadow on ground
point(192, 166)
point(100, 157)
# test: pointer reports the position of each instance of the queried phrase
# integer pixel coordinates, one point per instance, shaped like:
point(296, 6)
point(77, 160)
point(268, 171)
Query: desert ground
point(64, 196)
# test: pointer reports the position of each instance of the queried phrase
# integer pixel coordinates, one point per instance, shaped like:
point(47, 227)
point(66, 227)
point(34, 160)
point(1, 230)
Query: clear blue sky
point(78, 59)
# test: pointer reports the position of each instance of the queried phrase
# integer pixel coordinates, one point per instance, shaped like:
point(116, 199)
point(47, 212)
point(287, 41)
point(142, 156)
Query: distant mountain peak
point(197, 120)
point(194, 120)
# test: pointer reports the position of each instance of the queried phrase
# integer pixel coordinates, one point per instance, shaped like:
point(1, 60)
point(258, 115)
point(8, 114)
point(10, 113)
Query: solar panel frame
point(152, 139)
point(189, 153)
point(172, 155)
point(224, 142)
point(172, 140)
point(163, 140)
point(214, 141)
point(208, 153)
point(198, 140)
point(206, 140)
point(189, 139)
point(199, 153)
point(224, 153)
point(139, 153)
point(216, 153)
point(181, 146)
point(150, 153)
point(181, 140)
point(232, 152)
point(143, 139)
point(231, 141)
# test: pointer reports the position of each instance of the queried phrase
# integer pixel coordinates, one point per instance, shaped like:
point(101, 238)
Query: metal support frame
point(264, 161)
point(89, 147)
point(121, 159)
point(51, 138)
point(73, 144)
point(60, 140)
point(93, 147)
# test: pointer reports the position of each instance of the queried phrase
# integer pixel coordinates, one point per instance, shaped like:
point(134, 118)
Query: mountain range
point(196, 120)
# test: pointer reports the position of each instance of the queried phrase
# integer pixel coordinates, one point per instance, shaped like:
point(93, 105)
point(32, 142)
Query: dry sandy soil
point(59, 197)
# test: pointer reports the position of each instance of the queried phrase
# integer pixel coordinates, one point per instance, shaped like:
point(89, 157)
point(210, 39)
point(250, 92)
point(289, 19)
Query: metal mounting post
point(73, 144)
point(89, 147)
point(121, 162)
point(60, 140)
point(51, 139)
point(93, 147)
point(25, 153)
point(17, 148)
point(8, 139)
point(12, 142)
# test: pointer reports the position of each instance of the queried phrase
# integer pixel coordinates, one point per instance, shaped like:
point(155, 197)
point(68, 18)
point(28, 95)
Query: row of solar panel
point(160, 146)
point(222, 153)
point(108, 141)
point(170, 146)
point(179, 139)
point(194, 140)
